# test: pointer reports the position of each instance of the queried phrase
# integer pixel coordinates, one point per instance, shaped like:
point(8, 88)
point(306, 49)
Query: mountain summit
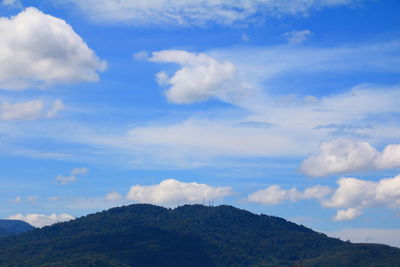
point(191, 235)
point(14, 227)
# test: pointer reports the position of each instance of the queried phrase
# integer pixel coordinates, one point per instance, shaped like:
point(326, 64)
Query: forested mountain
point(13, 227)
point(191, 235)
point(3, 233)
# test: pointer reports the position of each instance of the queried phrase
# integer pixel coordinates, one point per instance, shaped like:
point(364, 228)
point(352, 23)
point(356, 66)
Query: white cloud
point(58, 105)
point(38, 50)
point(29, 110)
point(78, 171)
point(141, 55)
point(389, 158)
point(21, 111)
point(342, 155)
point(269, 66)
point(213, 138)
point(200, 78)
point(63, 180)
point(358, 194)
point(41, 220)
point(173, 192)
point(295, 119)
point(274, 194)
point(12, 3)
point(345, 215)
point(200, 12)
point(31, 199)
point(316, 192)
point(17, 199)
point(297, 37)
point(199, 139)
point(339, 156)
point(113, 196)
point(350, 197)
point(369, 235)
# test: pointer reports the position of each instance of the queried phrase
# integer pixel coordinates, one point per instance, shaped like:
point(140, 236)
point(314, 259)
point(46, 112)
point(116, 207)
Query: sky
point(287, 108)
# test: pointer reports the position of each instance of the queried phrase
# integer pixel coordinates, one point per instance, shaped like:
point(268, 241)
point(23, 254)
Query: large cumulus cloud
point(38, 50)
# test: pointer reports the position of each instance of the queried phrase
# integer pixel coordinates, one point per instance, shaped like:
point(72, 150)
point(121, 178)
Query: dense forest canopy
point(191, 235)
point(13, 227)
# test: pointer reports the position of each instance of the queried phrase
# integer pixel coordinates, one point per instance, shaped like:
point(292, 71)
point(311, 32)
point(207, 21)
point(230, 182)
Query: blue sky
point(283, 108)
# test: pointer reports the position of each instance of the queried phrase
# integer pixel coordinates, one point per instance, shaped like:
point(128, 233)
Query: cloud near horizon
point(369, 235)
point(39, 50)
point(173, 192)
point(351, 196)
point(359, 194)
point(274, 194)
point(346, 215)
point(113, 197)
point(346, 155)
point(41, 220)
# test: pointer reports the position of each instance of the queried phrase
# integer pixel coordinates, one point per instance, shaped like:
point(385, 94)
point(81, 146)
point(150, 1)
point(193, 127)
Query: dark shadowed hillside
point(146, 235)
point(14, 227)
point(3, 233)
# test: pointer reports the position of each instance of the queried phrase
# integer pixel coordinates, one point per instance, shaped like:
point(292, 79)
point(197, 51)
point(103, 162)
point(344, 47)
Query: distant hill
point(14, 227)
point(191, 235)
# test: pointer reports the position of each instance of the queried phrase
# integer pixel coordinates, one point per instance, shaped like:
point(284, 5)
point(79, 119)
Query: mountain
point(3, 233)
point(14, 227)
point(191, 235)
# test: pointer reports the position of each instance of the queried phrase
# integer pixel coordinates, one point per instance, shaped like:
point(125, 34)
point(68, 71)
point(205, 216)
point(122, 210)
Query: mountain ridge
point(14, 227)
point(190, 235)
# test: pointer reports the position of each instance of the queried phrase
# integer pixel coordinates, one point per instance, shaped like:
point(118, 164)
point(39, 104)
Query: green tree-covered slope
point(14, 227)
point(146, 235)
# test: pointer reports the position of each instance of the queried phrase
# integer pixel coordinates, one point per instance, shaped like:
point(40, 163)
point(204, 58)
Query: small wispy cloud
point(297, 37)
point(12, 3)
point(63, 180)
point(196, 13)
point(29, 110)
point(77, 171)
